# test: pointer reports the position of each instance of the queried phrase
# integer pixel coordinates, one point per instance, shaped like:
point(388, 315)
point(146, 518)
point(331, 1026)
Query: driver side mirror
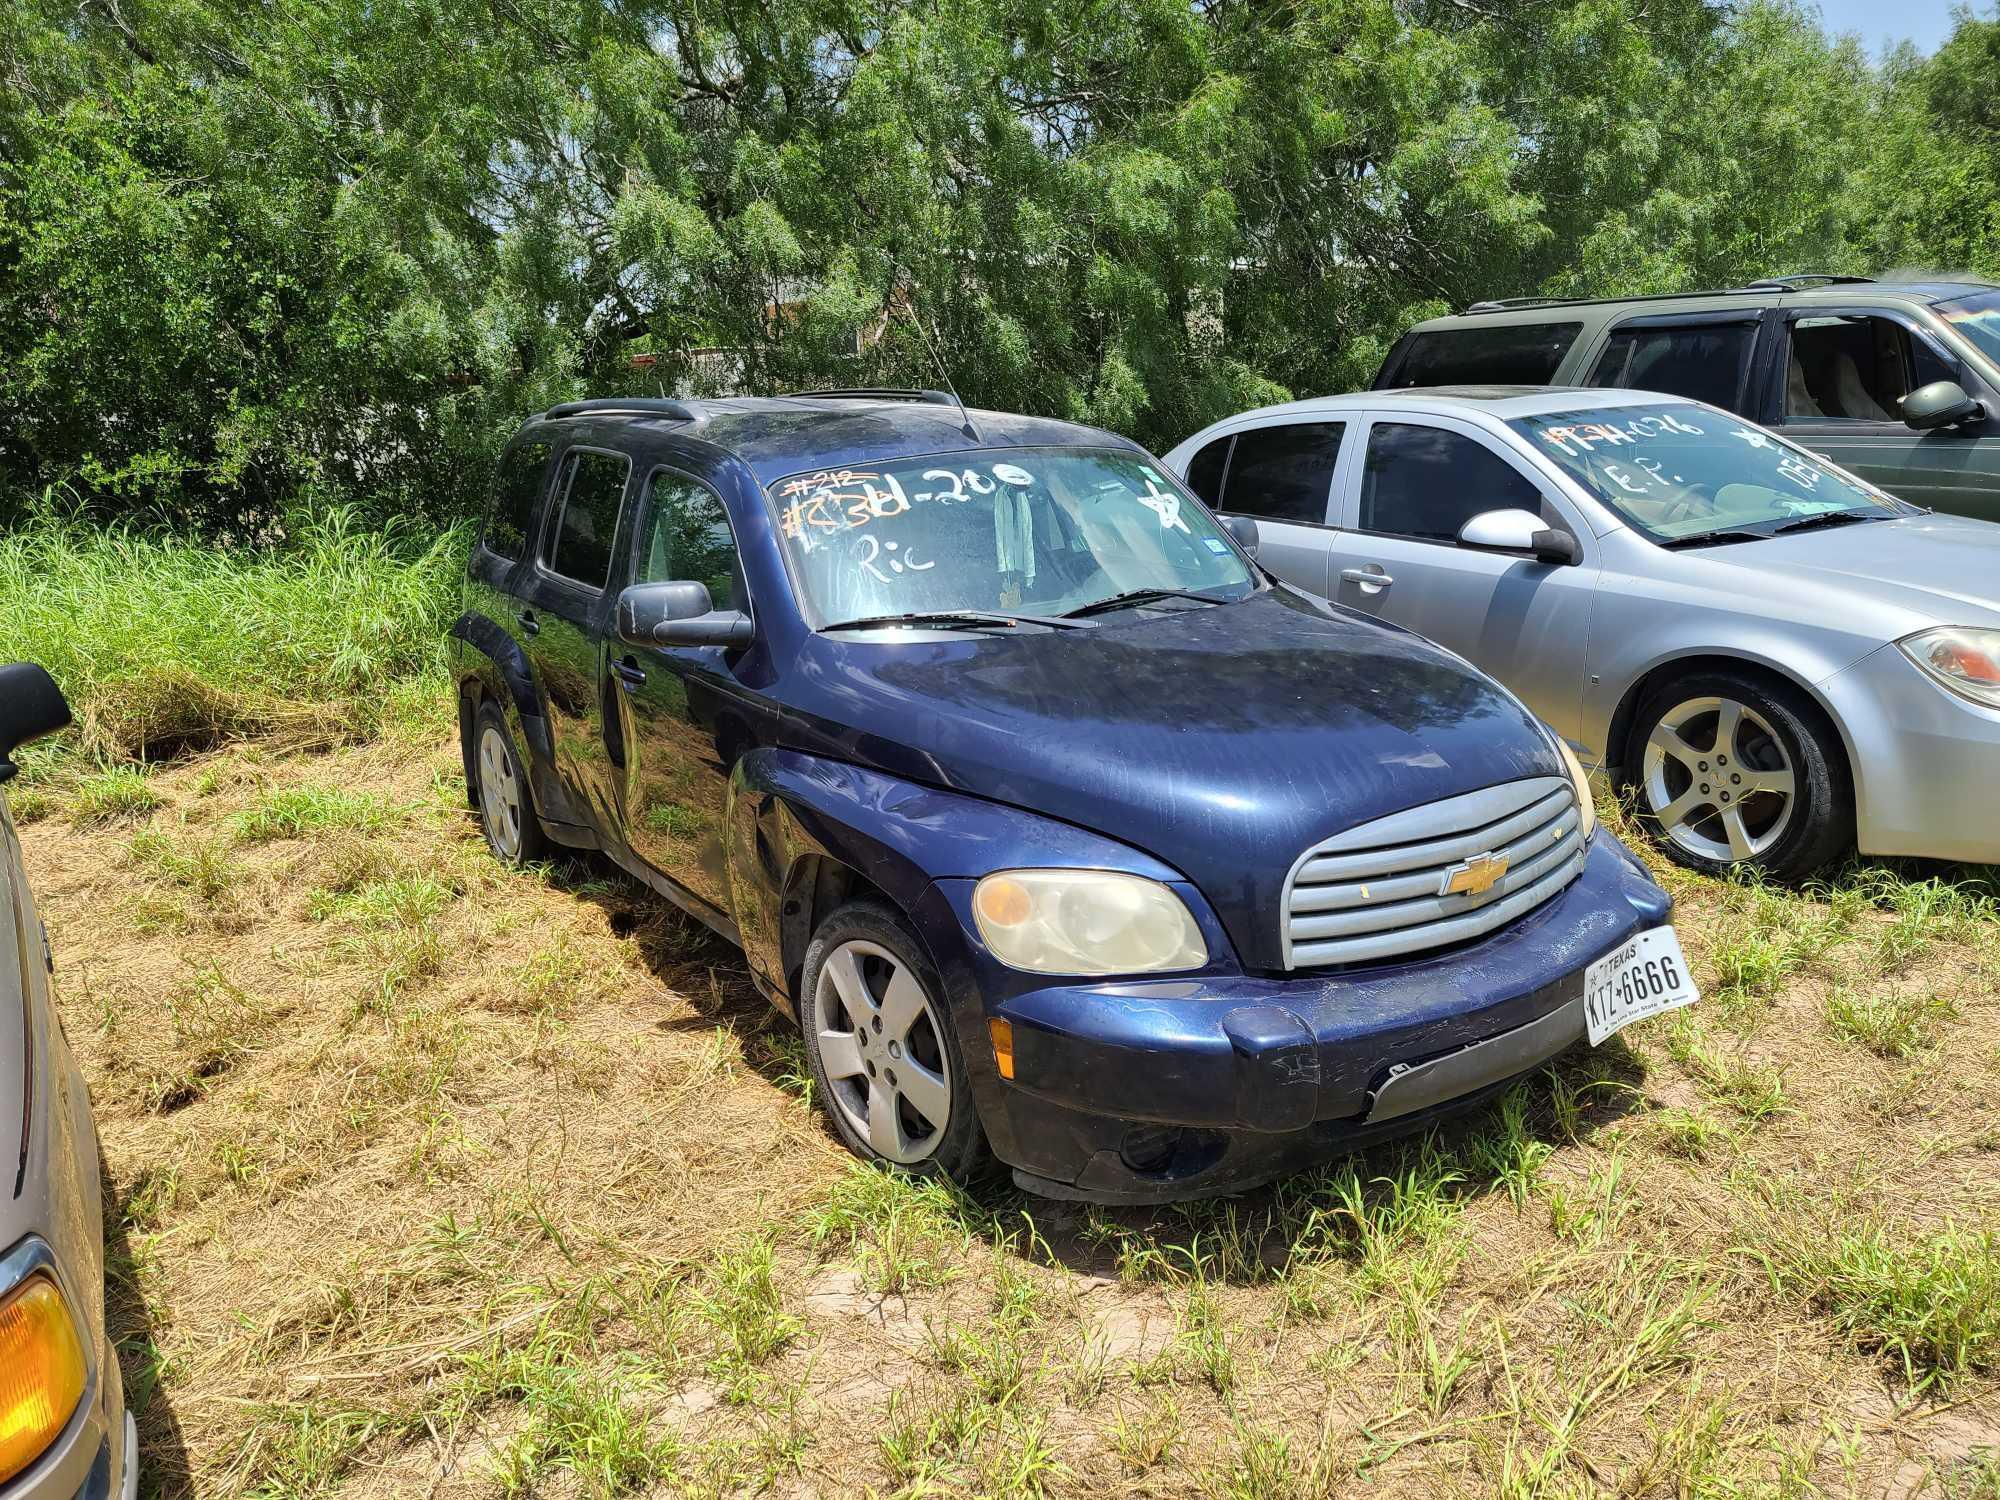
point(678, 614)
point(32, 707)
point(1516, 530)
point(1244, 530)
point(1942, 403)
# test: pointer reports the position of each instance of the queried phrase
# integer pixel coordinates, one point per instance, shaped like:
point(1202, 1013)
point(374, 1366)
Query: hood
point(1223, 740)
point(1934, 570)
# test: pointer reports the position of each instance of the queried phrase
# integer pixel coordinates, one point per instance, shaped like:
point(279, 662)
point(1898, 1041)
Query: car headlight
point(1586, 805)
point(1965, 660)
point(1085, 922)
point(41, 1373)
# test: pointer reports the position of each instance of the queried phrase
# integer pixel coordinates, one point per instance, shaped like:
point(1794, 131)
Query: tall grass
point(164, 644)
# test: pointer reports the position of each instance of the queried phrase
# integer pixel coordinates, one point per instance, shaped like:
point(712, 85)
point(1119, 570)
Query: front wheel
point(1730, 769)
point(879, 1043)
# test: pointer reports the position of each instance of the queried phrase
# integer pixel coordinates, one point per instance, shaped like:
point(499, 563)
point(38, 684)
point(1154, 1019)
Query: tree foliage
point(260, 259)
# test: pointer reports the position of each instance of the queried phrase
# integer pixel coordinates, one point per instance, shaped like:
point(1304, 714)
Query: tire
point(884, 1057)
point(506, 807)
point(1732, 768)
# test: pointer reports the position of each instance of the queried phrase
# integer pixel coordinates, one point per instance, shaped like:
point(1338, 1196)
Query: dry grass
point(436, 1180)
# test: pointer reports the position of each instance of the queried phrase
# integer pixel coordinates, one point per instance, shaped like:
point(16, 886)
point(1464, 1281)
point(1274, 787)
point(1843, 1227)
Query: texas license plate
point(1645, 977)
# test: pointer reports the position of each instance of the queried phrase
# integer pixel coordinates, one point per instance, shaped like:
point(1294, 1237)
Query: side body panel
point(50, 1192)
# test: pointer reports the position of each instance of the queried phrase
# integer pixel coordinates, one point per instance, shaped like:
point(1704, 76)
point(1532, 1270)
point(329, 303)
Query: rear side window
point(1702, 361)
point(1282, 473)
point(592, 487)
point(516, 494)
point(1484, 354)
point(1427, 482)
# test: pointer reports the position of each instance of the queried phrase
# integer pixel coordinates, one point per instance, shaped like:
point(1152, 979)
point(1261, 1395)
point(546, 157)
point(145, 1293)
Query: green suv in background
point(1896, 381)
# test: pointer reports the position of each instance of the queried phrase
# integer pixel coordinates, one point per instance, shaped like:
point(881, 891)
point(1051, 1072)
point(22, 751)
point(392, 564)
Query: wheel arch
point(818, 884)
point(1619, 731)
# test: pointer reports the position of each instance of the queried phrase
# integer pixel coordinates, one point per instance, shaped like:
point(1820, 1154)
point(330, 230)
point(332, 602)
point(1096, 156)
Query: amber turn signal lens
point(41, 1373)
point(1002, 1033)
point(1003, 901)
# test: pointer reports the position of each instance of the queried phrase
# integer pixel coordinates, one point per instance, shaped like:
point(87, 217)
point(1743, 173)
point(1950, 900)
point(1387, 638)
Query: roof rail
point(631, 406)
point(876, 393)
point(1501, 304)
point(1794, 282)
point(1514, 304)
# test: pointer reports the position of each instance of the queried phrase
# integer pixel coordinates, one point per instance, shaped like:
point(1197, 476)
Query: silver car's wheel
point(501, 802)
point(881, 1044)
point(1717, 777)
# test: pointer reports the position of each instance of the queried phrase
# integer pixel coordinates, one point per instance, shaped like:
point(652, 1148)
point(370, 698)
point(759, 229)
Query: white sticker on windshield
point(1167, 507)
point(1216, 545)
point(1013, 474)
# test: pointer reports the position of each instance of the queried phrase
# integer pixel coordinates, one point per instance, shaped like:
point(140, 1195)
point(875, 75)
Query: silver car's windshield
point(1039, 532)
point(1677, 472)
point(1978, 319)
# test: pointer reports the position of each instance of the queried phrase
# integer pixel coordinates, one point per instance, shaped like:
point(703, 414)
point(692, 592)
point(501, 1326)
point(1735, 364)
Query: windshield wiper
point(1829, 518)
point(1136, 596)
point(1713, 539)
point(951, 619)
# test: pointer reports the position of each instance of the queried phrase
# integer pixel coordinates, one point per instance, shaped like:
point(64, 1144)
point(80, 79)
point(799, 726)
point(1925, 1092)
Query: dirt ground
point(431, 1179)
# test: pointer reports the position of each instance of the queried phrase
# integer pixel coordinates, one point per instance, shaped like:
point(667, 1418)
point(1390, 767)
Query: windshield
point(1679, 471)
point(1036, 531)
point(1978, 319)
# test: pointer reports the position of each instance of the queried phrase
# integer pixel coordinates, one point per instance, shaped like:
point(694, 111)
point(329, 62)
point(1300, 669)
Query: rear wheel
point(506, 815)
point(879, 1043)
point(1733, 769)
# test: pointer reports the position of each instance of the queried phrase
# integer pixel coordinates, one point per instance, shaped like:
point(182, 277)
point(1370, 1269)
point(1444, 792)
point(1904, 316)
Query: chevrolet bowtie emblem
point(1475, 877)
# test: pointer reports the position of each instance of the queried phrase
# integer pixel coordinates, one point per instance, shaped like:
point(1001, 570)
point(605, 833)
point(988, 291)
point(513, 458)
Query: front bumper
point(1149, 1090)
point(1922, 757)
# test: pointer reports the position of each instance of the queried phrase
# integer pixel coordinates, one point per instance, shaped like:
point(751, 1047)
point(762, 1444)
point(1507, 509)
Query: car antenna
point(937, 358)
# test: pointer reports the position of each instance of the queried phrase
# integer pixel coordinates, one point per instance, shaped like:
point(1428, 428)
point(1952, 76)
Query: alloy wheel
point(1719, 780)
point(881, 1042)
point(499, 793)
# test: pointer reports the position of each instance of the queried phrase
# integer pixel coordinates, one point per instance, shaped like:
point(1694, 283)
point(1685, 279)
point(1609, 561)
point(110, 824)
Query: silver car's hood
point(1935, 569)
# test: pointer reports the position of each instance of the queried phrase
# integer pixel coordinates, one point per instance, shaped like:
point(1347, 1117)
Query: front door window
point(1855, 368)
point(1427, 482)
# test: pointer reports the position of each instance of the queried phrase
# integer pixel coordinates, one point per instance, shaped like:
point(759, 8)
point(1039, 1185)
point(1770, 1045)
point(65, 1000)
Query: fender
point(516, 681)
point(786, 806)
point(1610, 709)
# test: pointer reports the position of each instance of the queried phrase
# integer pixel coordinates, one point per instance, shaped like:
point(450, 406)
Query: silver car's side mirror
point(1244, 529)
point(678, 614)
point(1520, 531)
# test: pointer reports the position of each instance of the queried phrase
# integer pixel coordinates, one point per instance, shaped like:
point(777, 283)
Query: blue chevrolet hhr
point(1067, 835)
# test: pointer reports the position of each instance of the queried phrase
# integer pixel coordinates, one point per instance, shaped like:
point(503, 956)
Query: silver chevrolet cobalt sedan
point(1784, 662)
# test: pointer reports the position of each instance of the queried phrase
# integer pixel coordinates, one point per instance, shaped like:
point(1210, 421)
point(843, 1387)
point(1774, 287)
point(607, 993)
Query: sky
point(1881, 22)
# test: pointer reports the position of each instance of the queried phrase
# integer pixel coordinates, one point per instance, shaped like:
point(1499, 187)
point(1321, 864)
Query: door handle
point(630, 673)
point(1369, 578)
point(529, 624)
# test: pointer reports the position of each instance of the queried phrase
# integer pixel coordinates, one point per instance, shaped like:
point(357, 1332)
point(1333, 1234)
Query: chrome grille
point(1379, 891)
